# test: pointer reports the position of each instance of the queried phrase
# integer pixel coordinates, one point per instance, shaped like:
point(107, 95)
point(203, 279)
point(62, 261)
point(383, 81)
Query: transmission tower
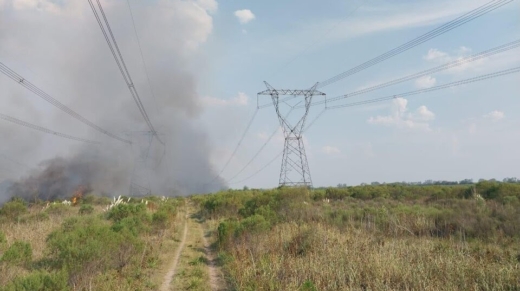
point(295, 168)
point(141, 146)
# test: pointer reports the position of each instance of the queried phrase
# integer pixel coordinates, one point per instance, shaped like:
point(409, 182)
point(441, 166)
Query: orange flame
point(78, 194)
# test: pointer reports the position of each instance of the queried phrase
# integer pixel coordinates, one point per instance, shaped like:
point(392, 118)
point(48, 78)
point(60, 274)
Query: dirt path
point(171, 272)
point(214, 279)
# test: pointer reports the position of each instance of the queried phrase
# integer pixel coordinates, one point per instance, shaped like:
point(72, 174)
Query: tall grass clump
point(380, 237)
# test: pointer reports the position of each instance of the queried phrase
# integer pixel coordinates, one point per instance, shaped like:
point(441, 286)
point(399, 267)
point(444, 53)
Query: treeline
point(499, 191)
point(439, 182)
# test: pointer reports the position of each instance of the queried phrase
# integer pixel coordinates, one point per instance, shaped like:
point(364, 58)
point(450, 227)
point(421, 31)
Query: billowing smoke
point(58, 46)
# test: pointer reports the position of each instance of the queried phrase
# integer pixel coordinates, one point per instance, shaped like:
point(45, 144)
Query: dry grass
point(142, 273)
point(290, 255)
point(35, 232)
point(167, 247)
point(192, 271)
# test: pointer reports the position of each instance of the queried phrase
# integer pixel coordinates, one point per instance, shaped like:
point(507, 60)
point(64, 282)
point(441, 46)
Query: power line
point(19, 164)
point(315, 119)
point(116, 53)
point(31, 87)
point(469, 16)
point(261, 148)
point(236, 148)
point(261, 169)
point(445, 86)
point(43, 129)
point(459, 62)
point(322, 36)
point(142, 57)
point(435, 88)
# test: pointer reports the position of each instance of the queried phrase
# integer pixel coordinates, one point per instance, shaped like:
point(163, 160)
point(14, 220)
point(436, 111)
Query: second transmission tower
point(295, 168)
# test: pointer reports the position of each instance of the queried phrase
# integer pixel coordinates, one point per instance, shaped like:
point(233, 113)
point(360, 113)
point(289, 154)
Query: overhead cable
point(116, 53)
point(261, 148)
point(31, 87)
point(459, 62)
point(142, 56)
point(410, 93)
point(260, 170)
point(43, 129)
point(435, 88)
point(236, 148)
point(321, 37)
point(469, 16)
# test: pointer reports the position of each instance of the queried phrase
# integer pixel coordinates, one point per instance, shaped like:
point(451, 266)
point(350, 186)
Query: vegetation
point(57, 246)
point(371, 237)
point(463, 236)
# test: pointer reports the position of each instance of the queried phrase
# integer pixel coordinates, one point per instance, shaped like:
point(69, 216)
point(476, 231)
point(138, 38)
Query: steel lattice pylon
point(140, 181)
point(295, 168)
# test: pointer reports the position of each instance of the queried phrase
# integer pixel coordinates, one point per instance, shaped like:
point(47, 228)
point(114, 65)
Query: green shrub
point(160, 219)
point(39, 280)
point(19, 254)
point(308, 286)
point(133, 225)
point(337, 193)
point(13, 209)
point(86, 209)
point(126, 210)
point(86, 247)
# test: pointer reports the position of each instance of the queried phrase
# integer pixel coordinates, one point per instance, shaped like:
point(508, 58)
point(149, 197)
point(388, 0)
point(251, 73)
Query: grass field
point(384, 237)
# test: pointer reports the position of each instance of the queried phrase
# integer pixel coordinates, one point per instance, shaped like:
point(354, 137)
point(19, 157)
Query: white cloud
point(330, 150)
point(42, 5)
point(244, 31)
point(435, 54)
point(425, 82)
point(262, 136)
point(209, 5)
point(495, 115)
point(240, 100)
point(244, 16)
point(401, 118)
point(439, 57)
point(423, 114)
point(464, 50)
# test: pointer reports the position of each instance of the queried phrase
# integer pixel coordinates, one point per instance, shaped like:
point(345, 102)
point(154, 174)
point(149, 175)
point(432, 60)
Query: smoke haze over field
point(58, 46)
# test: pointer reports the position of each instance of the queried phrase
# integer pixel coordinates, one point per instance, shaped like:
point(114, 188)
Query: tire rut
point(171, 272)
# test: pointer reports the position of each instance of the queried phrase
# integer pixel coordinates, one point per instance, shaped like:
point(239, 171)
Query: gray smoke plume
point(58, 46)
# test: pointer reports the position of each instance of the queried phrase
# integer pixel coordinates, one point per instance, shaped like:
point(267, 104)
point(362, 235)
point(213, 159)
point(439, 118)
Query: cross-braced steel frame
point(295, 167)
point(140, 181)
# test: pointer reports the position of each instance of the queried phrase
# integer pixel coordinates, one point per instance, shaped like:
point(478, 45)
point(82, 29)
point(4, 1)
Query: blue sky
point(473, 129)
point(210, 58)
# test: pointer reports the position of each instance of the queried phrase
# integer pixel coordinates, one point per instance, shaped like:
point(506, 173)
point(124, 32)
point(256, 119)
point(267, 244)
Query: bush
point(13, 209)
point(86, 209)
point(39, 280)
point(160, 219)
point(134, 225)
point(19, 254)
point(121, 211)
point(86, 247)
